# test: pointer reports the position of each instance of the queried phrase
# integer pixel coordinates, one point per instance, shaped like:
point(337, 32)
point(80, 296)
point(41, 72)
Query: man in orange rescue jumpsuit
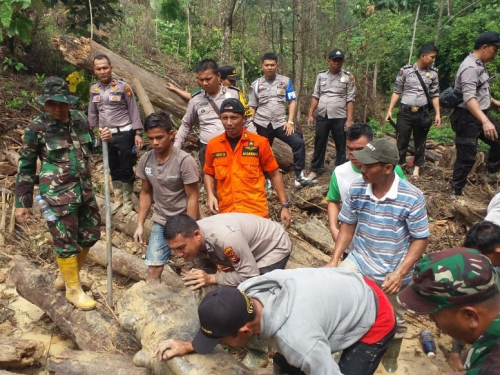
point(235, 162)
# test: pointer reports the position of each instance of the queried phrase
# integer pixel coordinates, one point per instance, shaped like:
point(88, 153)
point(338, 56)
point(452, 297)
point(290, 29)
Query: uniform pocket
point(221, 168)
point(57, 150)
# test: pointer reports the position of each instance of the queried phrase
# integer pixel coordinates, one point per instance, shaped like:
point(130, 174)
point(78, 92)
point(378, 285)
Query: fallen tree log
point(311, 198)
point(90, 330)
point(157, 312)
point(468, 212)
point(81, 52)
point(73, 362)
point(128, 265)
point(306, 255)
point(318, 235)
point(429, 155)
point(19, 352)
point(283, 154)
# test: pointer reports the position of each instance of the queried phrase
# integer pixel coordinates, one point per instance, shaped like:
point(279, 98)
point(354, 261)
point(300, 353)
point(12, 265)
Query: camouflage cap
point(55, 88)
point(450, 278)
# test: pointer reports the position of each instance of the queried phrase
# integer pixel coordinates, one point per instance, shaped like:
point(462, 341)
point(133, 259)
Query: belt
point(120, 129)
point(414, 108)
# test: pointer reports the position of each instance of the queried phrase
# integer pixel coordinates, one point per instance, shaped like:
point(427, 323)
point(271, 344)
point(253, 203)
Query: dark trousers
point(419, 123)
point(202, 148)
point(276, 266)
point(294, 140)
point(468, 129)
point(359, 358)
point(324, 126)
point(122, 156)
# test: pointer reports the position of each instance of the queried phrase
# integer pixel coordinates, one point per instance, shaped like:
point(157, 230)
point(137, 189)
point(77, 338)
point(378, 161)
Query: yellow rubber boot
point(59, 284)
point(74, 291)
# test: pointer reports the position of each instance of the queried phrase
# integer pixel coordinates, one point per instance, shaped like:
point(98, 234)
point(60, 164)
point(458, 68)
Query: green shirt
point(334, 191)
point(483, 357)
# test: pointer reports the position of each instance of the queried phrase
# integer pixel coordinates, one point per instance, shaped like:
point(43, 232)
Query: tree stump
point(19, 352)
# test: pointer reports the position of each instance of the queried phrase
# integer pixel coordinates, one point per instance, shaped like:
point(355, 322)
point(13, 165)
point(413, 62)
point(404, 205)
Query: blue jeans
point(158, 251)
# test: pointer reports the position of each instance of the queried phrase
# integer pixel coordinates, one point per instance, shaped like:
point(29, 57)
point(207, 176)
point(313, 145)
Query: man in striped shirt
point(386, 218)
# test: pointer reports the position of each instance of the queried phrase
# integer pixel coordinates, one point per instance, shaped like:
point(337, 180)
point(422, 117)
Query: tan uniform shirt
point(334, 91)
point(167, 180)
point(408, 84)
point(471, 74)
point(113, 106)
point(200, 111)
point(244, 242)
point(269, 98)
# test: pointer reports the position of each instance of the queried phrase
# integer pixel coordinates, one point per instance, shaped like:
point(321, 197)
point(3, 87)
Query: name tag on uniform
point(115, 98)
point(250, 151)
point(281, 92)
point(148, 171)
point(216, 155)
point(96, 98)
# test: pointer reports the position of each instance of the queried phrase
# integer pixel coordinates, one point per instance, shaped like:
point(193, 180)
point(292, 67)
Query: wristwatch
point(285, 205)
point(289, 122)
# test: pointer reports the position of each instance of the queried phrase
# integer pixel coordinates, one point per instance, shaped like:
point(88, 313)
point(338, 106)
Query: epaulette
point(234, 88)
point(324, 71)
point(435, 69)
point(407, 66)
point(196, 93)
point(346, 72)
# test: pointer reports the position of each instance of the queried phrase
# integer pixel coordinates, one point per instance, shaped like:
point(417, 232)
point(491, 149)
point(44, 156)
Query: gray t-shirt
point(168, 180)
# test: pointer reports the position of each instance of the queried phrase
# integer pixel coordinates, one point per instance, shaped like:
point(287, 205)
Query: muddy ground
point(21, 319)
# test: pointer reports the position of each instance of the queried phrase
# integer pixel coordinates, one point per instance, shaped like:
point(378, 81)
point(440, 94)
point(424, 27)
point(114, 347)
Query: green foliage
point(13, 63)
point(39, 79)
point(14, 21)
point(168, 9)
point(14, 103)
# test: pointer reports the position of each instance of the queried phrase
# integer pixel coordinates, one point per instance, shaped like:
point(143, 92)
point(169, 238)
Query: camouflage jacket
point(63, 151)
point(484, 355)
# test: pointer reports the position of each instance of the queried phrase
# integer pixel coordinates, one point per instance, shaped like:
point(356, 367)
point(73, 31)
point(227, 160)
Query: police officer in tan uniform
point(414, 115)
point(472, 119)
point(268, 96)
point(112, 105)
point(204, 108)
point(333, 96)
point(245, 245)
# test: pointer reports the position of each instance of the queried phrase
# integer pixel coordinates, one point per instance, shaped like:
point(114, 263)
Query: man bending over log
point(244, 245)
point(304, 314)
point(170, 178)
point(61, 138)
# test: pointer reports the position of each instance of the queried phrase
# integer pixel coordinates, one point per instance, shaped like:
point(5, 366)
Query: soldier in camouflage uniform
point(460, 290)
point(61, 138)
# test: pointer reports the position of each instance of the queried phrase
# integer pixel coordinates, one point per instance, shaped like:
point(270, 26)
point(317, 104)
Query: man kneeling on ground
point(304, 314)
point(244, 245)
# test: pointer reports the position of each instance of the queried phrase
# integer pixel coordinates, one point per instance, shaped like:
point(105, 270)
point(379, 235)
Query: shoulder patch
point(128, 90)
point(231, 255)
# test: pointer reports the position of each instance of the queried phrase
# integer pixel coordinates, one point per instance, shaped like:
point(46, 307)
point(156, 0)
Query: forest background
point(168, 37)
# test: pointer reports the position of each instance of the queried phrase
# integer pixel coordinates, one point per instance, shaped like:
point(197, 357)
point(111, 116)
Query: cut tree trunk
point(154, 313)
point(19, 352)
point(283, 154)
point(90, 330)
point(318, 235)
point(128, 265)
point(468, 212)
point(429, 155)
point(73, 362)
point(81, 52)
point(306, 255)
point(311, 198)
